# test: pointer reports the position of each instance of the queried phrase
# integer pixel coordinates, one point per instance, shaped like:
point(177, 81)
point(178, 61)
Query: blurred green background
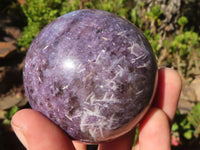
point(171, 26)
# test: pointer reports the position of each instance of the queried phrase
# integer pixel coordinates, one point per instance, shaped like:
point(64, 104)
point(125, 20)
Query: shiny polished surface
point(92, 73)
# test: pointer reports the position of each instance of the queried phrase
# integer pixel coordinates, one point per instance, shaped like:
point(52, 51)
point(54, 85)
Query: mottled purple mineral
point(92, 73)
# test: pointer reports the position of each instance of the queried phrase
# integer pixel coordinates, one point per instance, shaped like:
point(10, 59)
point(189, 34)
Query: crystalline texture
point(92, 73)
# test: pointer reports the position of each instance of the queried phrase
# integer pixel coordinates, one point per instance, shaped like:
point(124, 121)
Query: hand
point(36, 132)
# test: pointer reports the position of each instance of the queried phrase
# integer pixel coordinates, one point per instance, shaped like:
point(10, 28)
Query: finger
point(154, 131)
point(79, 145)
point(168, 91)
point(37, 132)
point(124, 142)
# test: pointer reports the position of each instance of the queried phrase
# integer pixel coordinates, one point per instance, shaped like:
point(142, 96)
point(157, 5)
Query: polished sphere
point(92, 73)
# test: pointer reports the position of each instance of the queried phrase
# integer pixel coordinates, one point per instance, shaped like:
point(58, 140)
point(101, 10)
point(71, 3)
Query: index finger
point(168, 91)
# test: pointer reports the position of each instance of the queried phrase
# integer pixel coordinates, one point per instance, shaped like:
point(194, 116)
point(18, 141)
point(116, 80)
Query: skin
point(36, 132)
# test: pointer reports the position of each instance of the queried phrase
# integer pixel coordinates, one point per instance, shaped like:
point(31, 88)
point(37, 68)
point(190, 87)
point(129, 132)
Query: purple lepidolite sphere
point(92, 73)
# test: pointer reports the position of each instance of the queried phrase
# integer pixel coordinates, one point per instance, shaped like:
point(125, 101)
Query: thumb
point(36, 132)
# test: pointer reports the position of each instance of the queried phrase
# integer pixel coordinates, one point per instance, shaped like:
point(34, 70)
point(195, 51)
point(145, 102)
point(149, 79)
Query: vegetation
point(9, 114)
point(187, 126)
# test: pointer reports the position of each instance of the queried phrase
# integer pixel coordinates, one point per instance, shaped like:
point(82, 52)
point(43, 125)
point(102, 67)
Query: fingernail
point(19, 133)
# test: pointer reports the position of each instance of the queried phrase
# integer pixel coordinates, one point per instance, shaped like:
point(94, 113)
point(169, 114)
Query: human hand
point(37, 132)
